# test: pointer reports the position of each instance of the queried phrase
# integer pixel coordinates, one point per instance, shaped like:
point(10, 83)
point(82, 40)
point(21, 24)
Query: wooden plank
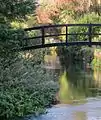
point(79, 43)
point(66, 35)
point(43, 35)
point(55, 35)
point(90, 34)
point(59, 25)
point(36, 37)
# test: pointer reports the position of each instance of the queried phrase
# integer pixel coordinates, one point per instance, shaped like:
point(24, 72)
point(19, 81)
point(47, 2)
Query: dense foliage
point(14, 9)
point(24, 89)
point(49, 11)
point(25, 86)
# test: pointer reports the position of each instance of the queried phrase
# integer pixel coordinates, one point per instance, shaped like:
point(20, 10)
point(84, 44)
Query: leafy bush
point(25, 90)
point(12, 9)
point(25, 87)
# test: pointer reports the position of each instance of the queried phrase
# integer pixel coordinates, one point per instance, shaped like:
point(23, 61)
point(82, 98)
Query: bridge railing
point(42, 36)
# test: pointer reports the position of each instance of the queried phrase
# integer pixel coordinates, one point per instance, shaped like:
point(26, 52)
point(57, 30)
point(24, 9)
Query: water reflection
point(97, 77)
point(78, 84)
point(80, 114)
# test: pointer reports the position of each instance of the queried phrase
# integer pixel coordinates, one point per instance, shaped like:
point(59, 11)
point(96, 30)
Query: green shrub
point(25, 87)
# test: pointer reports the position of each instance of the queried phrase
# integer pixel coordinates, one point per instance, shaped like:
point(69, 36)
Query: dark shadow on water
point(78, 82)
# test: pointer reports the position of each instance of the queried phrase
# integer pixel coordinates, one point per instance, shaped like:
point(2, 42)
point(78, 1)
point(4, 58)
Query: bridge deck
point(52, 33)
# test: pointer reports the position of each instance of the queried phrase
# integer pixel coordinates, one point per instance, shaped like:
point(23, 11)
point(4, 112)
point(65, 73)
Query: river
point(91, 110)
point(79, 95)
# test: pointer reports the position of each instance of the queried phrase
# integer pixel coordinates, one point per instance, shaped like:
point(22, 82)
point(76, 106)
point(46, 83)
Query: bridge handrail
point(43, 35)
point(60, 25)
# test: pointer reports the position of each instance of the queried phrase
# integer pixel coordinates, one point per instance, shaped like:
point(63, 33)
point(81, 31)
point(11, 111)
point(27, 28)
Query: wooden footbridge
point(52, 34)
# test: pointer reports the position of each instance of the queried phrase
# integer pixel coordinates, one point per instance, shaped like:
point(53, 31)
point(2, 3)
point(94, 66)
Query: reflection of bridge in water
point(49, 36)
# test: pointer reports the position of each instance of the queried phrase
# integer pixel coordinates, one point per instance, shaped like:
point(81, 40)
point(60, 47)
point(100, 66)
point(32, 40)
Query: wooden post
point(90, 34)
point(43, 35)
point(66, 35)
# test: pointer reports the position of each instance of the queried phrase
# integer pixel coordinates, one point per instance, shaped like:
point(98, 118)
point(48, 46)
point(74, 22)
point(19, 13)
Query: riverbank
point(90, 110)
